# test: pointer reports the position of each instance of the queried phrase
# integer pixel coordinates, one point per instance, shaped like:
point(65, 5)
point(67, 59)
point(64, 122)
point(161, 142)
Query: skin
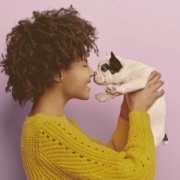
point(73, 84)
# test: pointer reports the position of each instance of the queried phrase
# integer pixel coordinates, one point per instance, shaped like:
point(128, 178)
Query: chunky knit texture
point(55, 148)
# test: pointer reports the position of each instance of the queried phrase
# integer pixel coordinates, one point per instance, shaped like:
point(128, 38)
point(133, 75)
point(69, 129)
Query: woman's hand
point(143, 99)
point(124, 112)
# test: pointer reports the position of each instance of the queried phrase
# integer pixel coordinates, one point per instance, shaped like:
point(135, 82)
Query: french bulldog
point(121, 76)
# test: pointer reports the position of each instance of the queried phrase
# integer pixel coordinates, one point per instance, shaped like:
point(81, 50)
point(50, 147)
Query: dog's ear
point(113, 59)
point(114, 63)
point(112, 55)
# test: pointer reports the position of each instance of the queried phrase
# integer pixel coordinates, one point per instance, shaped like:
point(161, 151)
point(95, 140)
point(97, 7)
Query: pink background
point(146, 31)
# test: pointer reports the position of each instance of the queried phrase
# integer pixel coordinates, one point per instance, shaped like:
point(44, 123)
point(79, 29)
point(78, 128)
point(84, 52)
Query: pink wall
point(146, 31)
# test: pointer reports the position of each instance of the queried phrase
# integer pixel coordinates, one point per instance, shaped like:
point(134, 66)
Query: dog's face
point(109, 70)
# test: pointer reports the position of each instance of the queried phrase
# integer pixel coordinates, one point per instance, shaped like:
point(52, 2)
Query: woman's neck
point(48, 103)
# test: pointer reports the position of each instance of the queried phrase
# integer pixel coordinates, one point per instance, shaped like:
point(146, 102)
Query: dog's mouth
point(101, 83)
point(106, 83)
point(100, 79)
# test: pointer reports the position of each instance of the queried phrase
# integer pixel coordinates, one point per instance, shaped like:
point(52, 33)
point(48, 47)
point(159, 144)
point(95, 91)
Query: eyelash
point(85, 66)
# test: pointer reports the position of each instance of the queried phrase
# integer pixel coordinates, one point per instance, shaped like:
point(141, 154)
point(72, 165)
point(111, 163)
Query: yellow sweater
point(54, 148)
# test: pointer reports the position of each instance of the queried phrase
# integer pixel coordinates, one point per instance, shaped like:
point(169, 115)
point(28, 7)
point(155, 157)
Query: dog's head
point(109, 70)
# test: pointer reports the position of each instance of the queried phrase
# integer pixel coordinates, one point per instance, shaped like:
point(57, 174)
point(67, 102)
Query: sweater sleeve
point(70, 151)
point(119, 137)
point(77, 126)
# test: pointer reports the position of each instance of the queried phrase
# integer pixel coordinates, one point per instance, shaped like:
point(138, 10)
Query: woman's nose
point(93, 73)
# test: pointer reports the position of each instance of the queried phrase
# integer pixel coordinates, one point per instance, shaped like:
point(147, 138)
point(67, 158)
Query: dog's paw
point(112, 89)
point(102, 97)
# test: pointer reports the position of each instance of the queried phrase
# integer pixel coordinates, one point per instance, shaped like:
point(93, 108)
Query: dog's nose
point(95, 72)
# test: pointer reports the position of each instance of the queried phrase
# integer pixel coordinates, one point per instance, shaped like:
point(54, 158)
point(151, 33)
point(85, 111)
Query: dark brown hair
point(39, 47)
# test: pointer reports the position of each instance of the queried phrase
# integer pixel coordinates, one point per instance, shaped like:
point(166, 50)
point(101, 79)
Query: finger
point(152, 75)
point(155, 78)
point(159, 84)
point(160, 93)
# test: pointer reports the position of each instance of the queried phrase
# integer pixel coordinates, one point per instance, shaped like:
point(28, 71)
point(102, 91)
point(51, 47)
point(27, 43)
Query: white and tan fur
point(132, 76)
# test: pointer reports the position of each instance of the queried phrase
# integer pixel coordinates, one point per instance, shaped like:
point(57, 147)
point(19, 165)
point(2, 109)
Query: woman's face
point(75, 82)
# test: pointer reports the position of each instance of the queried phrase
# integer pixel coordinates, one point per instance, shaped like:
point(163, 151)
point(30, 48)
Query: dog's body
point(122, 76)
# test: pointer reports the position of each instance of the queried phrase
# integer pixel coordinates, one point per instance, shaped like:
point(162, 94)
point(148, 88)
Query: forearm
point(119, 137)
point(124, 113)
point(124, 109)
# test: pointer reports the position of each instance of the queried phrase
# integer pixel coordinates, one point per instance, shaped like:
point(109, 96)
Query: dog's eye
point(104, 67)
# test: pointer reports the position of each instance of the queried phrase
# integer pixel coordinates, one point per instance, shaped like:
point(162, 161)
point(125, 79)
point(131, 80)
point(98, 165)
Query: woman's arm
point(119, 137)
point(68, 150)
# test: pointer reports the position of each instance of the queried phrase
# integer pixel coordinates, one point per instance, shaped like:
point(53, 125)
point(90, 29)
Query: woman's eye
point(85, 66)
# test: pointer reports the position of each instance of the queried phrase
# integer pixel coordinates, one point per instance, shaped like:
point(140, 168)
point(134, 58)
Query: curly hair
point(41, 46)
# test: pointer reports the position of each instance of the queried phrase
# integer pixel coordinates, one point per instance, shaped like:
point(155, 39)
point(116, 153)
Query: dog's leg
point(165, 139)
point(102, 97)
point(130, 86)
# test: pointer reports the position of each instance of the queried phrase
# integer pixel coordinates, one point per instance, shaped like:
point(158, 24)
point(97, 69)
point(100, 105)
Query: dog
point(121, 76)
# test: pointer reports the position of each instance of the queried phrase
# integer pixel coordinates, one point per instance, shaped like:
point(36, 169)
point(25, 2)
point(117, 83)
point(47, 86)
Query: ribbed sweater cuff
point(137, 118)
point(120, 134)
point(139, 128)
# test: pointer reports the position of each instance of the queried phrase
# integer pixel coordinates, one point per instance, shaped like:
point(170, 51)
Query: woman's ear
point(57, 77)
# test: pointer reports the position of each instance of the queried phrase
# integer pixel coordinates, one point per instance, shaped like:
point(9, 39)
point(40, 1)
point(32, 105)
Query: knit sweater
point(54, 148)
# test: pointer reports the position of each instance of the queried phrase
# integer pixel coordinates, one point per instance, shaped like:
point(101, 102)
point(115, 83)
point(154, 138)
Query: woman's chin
point(84, 97)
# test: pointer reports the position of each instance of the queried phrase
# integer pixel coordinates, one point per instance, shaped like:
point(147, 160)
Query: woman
point(46, 62)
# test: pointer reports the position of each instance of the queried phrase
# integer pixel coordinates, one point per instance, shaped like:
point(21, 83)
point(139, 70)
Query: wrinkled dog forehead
point(104, 61)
